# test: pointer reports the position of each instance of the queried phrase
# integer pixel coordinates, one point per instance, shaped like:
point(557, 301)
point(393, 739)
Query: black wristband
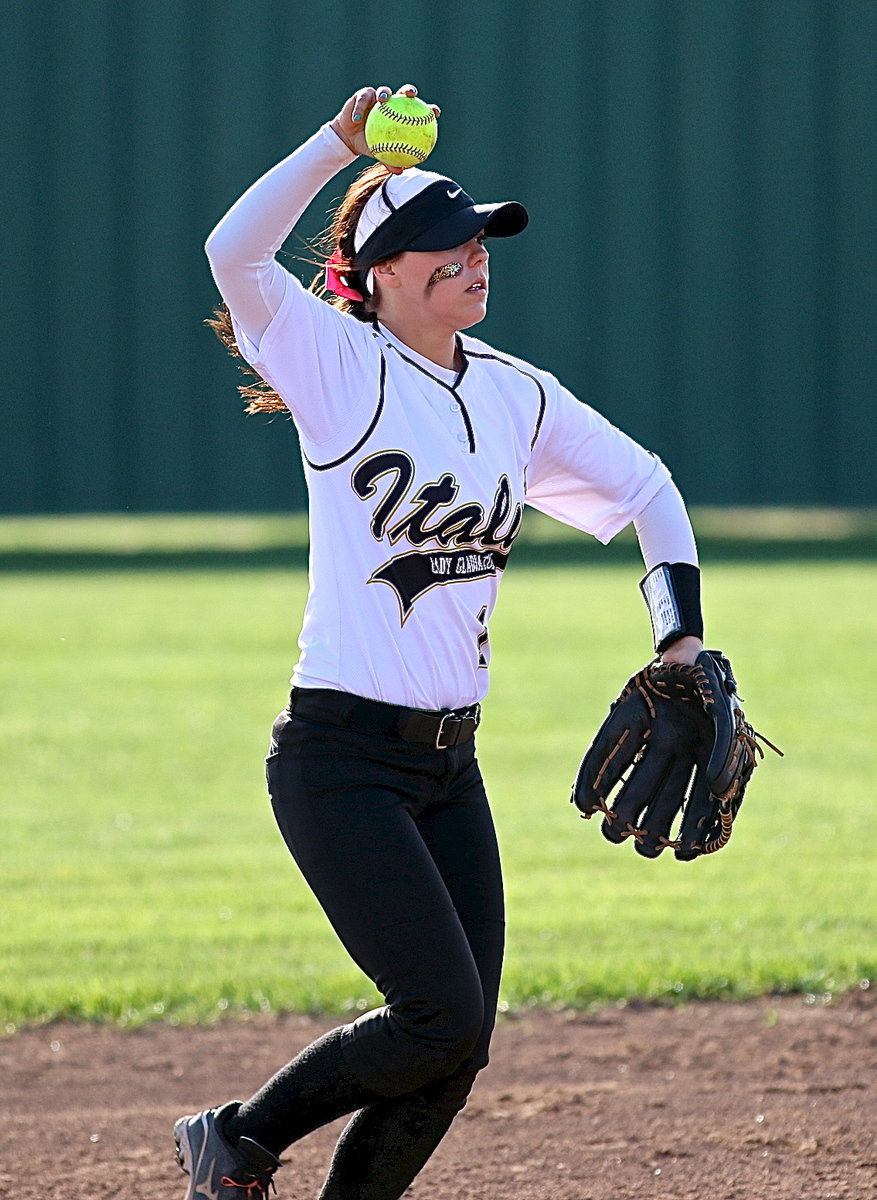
point(672, 596)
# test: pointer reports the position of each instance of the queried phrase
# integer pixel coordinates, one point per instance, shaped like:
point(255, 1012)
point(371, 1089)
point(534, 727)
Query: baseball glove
point(677, 741)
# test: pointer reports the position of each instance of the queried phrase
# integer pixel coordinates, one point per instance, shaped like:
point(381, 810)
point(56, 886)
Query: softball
point(401, 132)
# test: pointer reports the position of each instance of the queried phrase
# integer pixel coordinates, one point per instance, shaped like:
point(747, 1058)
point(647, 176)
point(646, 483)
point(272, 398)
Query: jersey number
point(483, 640)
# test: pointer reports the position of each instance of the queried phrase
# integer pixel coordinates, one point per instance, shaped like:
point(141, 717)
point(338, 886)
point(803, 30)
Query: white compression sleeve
point(241, 248)
point(664, 530)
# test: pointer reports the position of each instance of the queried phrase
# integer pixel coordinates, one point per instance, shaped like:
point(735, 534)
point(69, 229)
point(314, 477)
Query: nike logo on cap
point(453, 193)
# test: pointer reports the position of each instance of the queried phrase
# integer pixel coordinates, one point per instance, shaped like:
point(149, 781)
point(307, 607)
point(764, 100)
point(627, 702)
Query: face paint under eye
point(448, 271)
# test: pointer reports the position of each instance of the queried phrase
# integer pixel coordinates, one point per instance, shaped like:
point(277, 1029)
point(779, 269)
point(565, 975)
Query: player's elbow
point(227, 249)
point(216, 248)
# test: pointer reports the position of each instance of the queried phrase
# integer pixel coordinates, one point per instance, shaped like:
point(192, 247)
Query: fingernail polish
point(357, 116)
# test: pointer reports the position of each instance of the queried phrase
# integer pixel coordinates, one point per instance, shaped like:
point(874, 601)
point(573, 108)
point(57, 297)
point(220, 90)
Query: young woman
point(420, 446)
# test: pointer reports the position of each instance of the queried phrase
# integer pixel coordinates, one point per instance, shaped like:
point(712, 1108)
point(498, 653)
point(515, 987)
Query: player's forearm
point(255, 227)
point(666, 537)
point(241, 248)
point(664, 529)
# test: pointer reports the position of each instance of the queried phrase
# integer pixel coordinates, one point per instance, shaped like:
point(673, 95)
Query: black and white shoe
point(217, 1169)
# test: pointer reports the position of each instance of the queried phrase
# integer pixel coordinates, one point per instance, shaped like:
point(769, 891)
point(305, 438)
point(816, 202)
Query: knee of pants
point(406, 1046)
point(450, 1094)
point(447, 1030)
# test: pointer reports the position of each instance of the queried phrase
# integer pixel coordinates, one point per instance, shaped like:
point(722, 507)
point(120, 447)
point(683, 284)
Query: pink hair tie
point(335, 281)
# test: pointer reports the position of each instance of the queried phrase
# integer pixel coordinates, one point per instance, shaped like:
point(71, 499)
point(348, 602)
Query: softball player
point(421, 446)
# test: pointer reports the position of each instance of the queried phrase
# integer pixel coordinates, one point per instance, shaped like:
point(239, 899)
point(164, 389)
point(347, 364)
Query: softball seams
point(397, 148)
point(408, 118)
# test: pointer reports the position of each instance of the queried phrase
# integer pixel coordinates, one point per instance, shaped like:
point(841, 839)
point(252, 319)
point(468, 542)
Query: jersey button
point(461, 437)
point(455, 408)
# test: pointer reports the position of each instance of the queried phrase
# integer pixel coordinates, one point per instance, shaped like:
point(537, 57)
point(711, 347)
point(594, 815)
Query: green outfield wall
point(700, 266)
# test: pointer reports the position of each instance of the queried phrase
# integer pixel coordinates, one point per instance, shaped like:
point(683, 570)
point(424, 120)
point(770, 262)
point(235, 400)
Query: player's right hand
point(350, 122)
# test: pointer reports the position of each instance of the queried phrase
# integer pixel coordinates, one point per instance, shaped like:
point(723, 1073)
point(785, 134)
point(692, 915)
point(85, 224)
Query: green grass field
point(142, 878)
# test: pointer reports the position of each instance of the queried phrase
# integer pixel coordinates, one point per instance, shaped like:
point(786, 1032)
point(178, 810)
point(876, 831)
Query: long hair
point(259, 395)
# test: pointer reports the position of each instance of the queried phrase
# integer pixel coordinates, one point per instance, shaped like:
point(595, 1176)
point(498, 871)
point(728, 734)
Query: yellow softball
point(401, 132)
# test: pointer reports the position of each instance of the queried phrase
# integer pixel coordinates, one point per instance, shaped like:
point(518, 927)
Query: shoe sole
point(183, 1149)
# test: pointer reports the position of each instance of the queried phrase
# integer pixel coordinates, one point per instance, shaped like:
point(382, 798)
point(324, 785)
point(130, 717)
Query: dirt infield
point(769, 1100)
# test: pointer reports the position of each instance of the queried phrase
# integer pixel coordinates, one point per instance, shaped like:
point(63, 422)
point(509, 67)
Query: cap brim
point(504, 219)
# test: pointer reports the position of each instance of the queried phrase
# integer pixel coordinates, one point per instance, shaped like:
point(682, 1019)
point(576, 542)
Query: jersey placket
point(466, 433)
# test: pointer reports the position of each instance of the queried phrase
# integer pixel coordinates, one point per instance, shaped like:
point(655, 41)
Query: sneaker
point(218, 1170)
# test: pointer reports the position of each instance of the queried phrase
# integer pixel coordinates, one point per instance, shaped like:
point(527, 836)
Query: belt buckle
point(439, 744)
point(475, 717)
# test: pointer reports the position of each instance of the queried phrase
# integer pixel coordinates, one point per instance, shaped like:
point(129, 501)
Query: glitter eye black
point(448, 271)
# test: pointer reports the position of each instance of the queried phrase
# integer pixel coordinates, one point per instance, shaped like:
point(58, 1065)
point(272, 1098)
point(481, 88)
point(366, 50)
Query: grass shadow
point(279, 541)
point(534, 553)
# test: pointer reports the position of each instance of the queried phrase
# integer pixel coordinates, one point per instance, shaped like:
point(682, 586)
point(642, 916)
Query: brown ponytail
point(260, 396)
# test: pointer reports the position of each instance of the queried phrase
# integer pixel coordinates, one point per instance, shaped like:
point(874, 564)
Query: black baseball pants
point(397, 843)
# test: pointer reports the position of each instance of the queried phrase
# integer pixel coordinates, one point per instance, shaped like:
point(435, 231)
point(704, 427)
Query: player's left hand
point(678, 743)
point(685, 651)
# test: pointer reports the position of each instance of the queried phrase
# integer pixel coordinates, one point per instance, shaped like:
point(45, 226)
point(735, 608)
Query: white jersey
point(417, 478)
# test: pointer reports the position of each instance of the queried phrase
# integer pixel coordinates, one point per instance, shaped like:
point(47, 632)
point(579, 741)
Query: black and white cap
point(419, 210)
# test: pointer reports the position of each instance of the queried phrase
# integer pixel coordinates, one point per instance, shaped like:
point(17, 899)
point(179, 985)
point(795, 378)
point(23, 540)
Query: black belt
point(440, 728)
